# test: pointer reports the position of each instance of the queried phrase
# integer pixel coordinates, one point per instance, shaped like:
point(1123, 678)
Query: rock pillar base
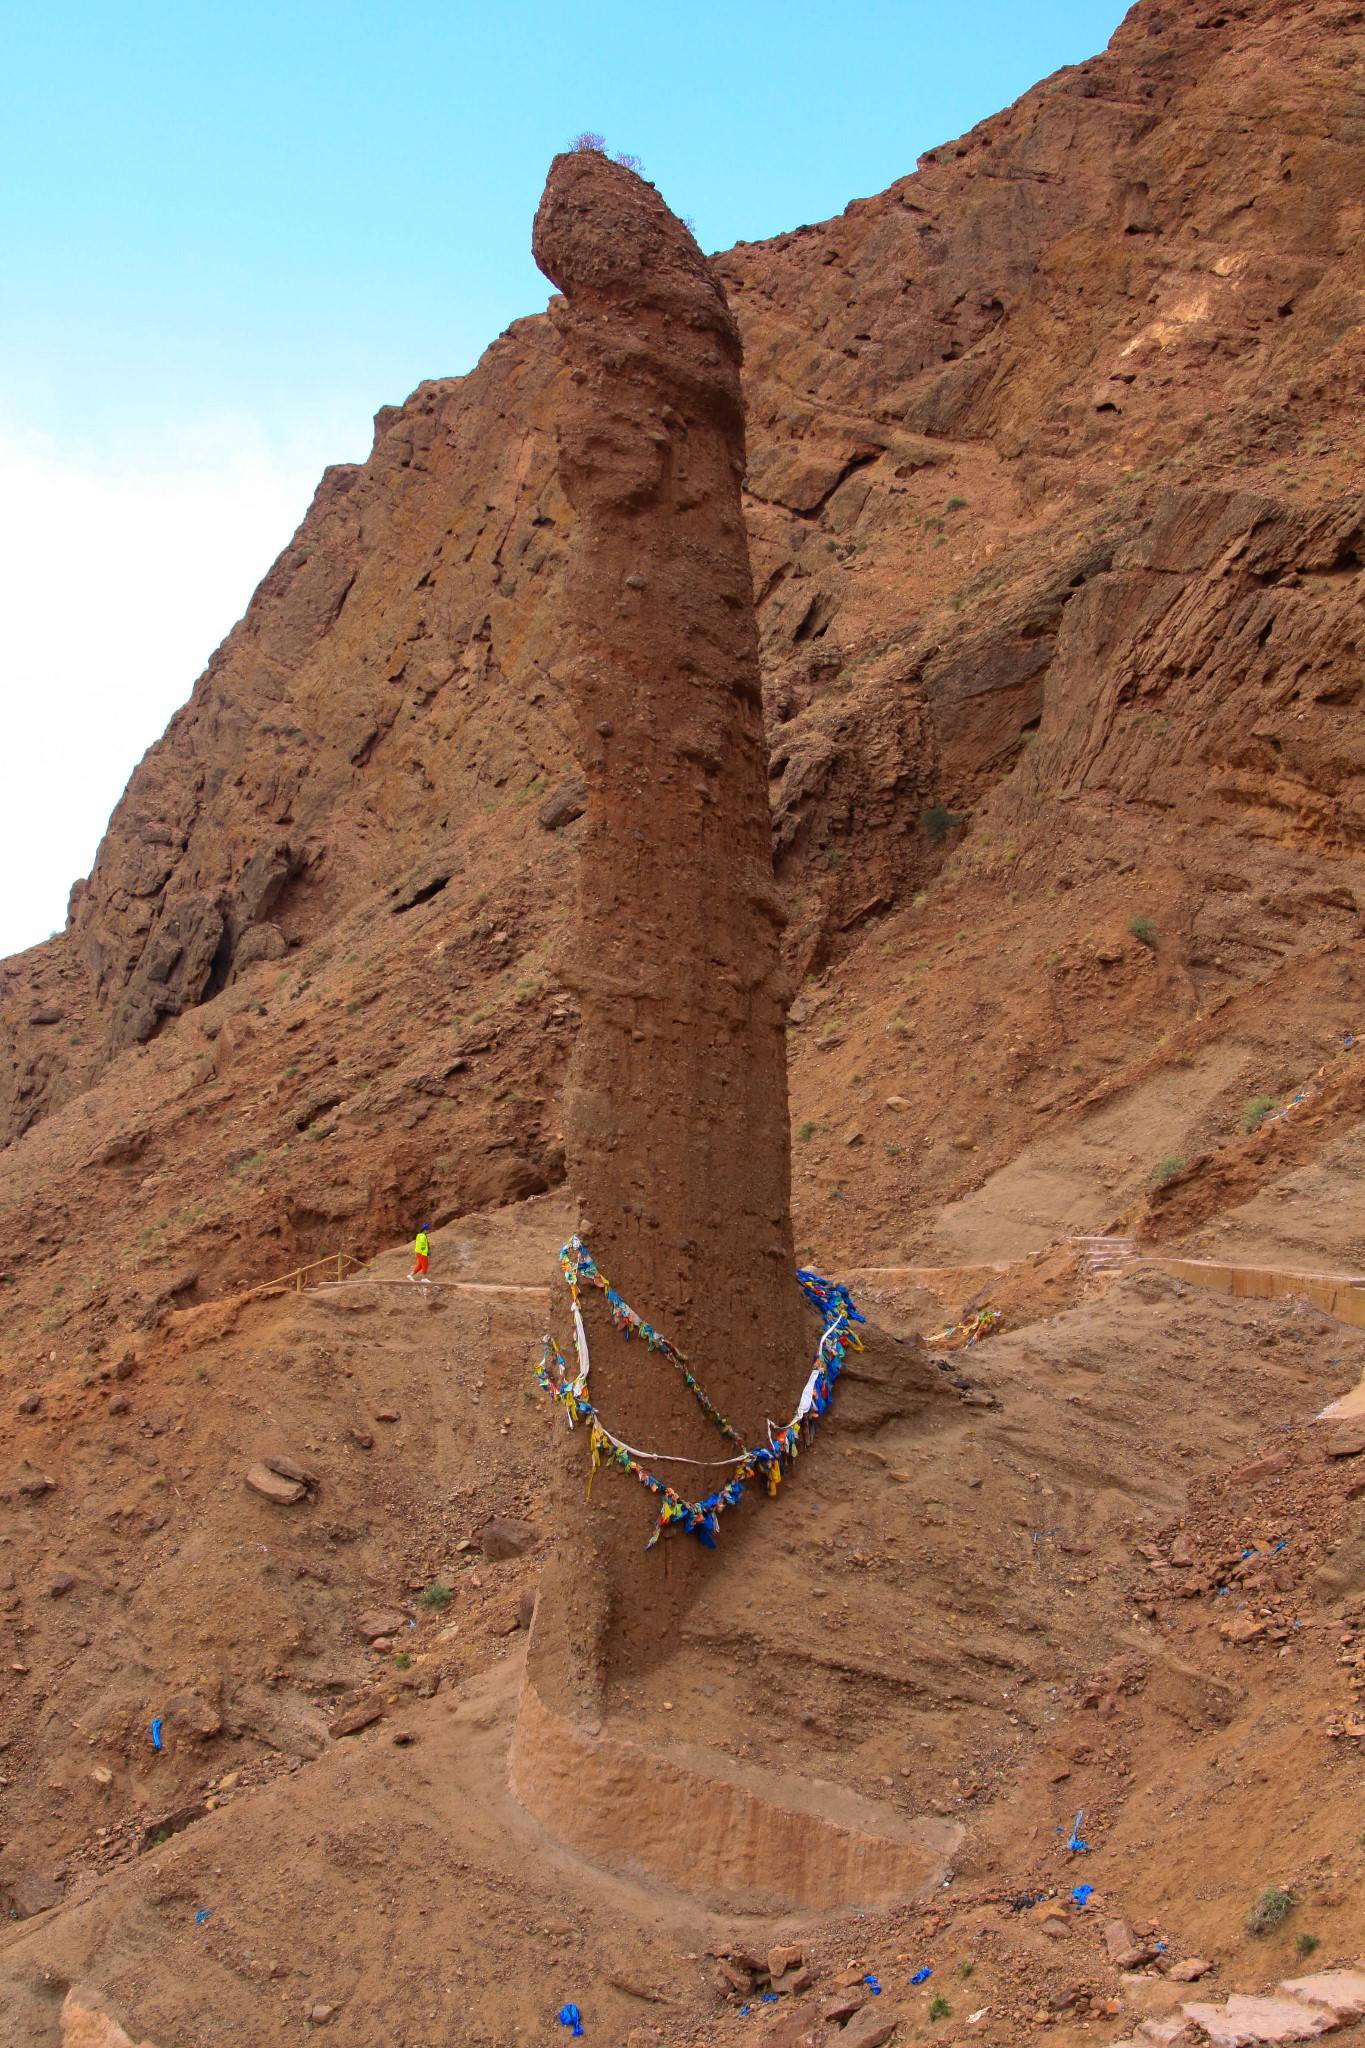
point(656, 1815)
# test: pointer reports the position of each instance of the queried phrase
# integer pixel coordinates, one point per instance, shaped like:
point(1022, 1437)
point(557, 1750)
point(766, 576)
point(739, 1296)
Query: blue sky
point(233, 231)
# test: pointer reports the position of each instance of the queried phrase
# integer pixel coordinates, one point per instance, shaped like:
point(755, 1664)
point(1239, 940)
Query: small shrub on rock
point(937, 822)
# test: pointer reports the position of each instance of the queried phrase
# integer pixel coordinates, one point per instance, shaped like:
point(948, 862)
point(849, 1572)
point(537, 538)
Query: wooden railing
point(335, 1267)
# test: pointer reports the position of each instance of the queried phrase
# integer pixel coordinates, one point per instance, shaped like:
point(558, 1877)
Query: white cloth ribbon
point(580, 1337)
point(808, 1395)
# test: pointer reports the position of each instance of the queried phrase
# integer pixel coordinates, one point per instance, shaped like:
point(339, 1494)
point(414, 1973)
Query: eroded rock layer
point(675, 1108)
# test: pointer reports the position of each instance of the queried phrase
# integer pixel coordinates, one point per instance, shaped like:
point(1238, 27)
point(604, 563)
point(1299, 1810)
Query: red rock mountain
point(1053, 515)
point(1056, 524)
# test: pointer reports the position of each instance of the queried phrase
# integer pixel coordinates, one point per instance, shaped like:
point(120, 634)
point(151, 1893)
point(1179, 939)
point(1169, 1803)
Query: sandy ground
point(961, 1614)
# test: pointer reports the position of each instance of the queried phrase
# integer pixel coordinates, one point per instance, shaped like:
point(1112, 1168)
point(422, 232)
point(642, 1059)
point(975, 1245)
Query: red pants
point(419, 1264)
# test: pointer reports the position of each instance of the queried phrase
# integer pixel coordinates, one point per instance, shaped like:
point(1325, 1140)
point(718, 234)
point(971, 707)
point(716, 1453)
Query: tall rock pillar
point(675, 1112)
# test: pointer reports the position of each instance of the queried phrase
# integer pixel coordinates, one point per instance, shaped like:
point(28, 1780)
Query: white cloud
point(117, 580)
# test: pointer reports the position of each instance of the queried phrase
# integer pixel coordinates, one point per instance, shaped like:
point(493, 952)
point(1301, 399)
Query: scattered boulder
point(377, 1623)
point(61, 1585)
point(363, 1715)
point(1126, 1952)
point(31, 1404)
point(274, 1487)
point(837, 2011)
point(190, 1714)
point(1244, 1630)
point(1348, 1441)
point(797, 2028)
point(37, 1891)
point(285, 1468)
point(792, 1981)
point(526, 1606)
point(564, 804)
point(870, 2028)
point(1189, 1971)
point(35, 1485)
point(1277, 1461)
point(504, 1538)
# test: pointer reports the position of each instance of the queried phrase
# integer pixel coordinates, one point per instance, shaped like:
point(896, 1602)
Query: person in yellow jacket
point(421, 1253)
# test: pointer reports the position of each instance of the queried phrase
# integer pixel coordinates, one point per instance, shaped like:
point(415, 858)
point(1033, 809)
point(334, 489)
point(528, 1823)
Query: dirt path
point(1080, 1178)
point(954, 1617)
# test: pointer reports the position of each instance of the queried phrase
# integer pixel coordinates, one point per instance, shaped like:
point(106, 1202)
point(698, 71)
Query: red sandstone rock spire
point(675, 1112)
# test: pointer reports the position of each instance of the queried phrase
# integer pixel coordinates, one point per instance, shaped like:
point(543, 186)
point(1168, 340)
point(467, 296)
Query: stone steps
point(1302, 2009)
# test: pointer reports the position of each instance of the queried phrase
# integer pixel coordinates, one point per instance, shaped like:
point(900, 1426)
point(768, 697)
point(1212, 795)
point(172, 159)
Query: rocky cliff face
point(1053, 507)
point(1051, 453)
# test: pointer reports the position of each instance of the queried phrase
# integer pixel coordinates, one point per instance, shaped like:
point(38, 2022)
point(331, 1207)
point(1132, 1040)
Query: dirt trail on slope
point(965, 1617)
point(1079, 1178)
point(1308, 1216)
